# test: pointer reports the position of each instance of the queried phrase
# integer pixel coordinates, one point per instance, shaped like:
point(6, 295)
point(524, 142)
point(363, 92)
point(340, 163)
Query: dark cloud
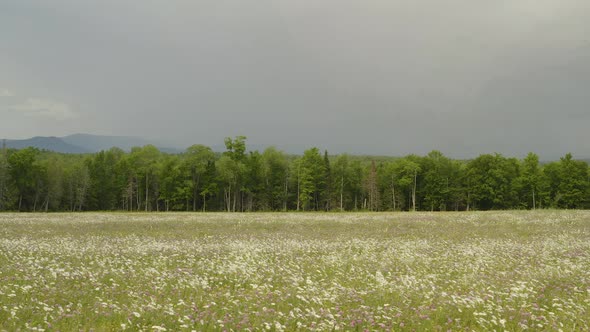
point(384, 77)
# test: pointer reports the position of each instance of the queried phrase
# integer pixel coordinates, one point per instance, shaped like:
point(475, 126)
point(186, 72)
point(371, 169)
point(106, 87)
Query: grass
point(500, 271)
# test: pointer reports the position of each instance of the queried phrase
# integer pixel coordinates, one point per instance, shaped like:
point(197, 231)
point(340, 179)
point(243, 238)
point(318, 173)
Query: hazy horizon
point(373, 77)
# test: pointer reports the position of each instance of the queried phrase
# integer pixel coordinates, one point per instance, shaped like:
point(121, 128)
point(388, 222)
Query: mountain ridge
point(89, 143)
point(82, 143)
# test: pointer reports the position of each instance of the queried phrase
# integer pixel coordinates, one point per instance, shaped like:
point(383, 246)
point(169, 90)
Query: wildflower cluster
point(174, 272)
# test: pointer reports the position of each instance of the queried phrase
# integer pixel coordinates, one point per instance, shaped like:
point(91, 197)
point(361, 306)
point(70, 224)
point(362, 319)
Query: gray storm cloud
point(374, 77)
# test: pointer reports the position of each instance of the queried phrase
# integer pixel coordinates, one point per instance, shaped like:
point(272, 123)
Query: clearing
point(286, 271)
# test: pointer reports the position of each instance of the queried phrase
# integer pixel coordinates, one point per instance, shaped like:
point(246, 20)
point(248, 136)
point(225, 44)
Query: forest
point(237, 180)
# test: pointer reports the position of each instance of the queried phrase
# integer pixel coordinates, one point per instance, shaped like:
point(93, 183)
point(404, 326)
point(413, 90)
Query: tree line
point(145, 179)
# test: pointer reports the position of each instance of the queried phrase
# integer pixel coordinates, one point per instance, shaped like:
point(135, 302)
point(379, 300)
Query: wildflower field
point(319, 271)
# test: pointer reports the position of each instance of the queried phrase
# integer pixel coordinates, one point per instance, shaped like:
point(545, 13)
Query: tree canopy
point(146, 179)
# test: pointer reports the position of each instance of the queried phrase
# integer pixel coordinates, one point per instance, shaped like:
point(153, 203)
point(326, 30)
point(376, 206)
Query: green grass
point(327, 271)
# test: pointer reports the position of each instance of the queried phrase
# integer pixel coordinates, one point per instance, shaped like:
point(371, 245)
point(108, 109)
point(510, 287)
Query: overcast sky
point(374, 76)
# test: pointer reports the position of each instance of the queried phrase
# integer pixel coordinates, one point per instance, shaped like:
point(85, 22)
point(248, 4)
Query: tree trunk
point(147, 191)
point(414, 191)
point(242, 202)
point(196, 180)
point(131, 195)
point(137, 197)
point(534, 202)
point(72, 201)
point(393, 193)
point(316, 201)
point(194, 195)
point(342, 193)
point(286, 193)
point(228, 199)
point(298, 192)
point(468, 194)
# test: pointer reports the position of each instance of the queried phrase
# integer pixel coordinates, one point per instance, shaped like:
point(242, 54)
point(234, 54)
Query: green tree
point(144, 161)
point(235, 148)
point(209, 189)
point(573, 184)
point(303, 181)
point(492, 181)
point(438, 176)
point(229, 173)
point(77, 183)
point(5, 189)
point(408, 170)
point(127, 180)
point(275, 176)
point(356, 182)
point(40, 181)
point(232, 173)
point(552, 178)
point(388, 174)
point(171, 178)
point(55, 183)
point(253, 186)
point(326, 193)
point(310, 173)
point(196, 160)
point(341, 174)
point(458, 188)
point(23, 172)
point(530, 181)
point(105, 186)
point(371, 185)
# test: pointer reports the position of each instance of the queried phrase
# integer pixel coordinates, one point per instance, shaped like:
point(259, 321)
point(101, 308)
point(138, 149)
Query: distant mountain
point(96, 143)
point(84, 143)
point(46, 143)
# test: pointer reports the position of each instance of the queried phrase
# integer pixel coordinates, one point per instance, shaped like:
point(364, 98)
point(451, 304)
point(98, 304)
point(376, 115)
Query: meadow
point(495, 271)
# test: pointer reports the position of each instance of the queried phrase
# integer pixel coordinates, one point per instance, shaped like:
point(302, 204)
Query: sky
point(385, 77)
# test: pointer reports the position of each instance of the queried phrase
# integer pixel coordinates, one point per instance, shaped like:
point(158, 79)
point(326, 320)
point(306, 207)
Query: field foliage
point(344, 271)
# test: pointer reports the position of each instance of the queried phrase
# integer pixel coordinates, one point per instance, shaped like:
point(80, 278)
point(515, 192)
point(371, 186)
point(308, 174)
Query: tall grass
point(346, 271)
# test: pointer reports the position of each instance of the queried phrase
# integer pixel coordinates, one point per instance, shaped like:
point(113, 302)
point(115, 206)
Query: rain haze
point(367, 77)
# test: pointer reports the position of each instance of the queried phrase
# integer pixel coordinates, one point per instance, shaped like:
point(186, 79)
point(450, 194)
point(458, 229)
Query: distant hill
point(96, 143)
point(83, 143)
point(46, 143)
